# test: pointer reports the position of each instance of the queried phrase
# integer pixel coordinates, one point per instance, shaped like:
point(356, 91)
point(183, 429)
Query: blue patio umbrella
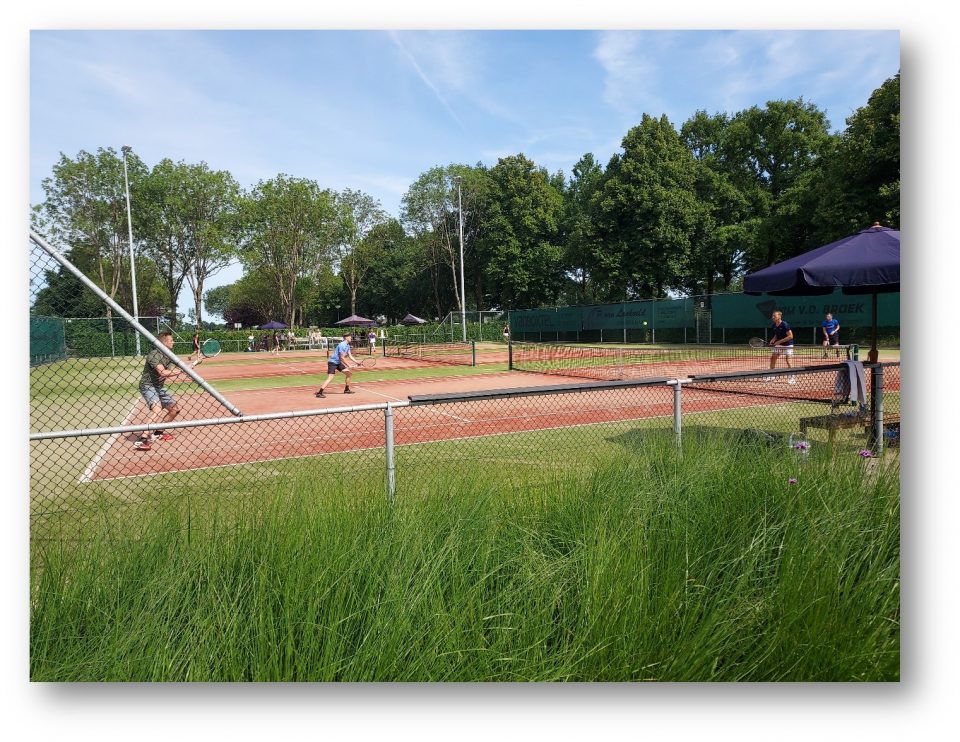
point(867, 262)
point(272, 326)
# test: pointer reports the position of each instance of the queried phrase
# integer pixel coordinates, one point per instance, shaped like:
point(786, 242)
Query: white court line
point(399, 399)
point(87, 475)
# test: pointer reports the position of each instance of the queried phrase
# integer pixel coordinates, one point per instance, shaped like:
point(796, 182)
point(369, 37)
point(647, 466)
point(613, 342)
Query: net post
point(391, 467)
point(473, 352)
point(510, 353)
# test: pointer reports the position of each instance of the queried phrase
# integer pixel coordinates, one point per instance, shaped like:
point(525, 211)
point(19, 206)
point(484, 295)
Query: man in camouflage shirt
point(163, 407)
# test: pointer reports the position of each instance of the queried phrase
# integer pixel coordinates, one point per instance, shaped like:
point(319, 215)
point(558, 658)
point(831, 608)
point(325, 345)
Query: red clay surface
point(260, 441)
point(301, 362)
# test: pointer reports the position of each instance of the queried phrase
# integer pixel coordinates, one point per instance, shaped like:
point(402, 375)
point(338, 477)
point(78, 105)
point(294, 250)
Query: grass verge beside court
point(700, 564)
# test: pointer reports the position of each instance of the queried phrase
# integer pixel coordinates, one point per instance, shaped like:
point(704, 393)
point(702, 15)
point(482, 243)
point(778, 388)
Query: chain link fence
point(87, 414)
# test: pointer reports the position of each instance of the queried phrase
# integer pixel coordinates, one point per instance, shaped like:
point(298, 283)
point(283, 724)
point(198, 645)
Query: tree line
point(683, 210)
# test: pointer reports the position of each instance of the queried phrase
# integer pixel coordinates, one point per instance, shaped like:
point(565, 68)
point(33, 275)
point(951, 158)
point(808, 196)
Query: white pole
point(133, 269)
point(463, 298)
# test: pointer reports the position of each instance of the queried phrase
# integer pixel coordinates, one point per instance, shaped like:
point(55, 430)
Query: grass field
point(662, 566)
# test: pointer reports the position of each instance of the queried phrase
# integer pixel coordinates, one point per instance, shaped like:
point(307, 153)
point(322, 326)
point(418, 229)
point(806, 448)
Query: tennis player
point(195, 354)
point(336, 363)
point(831, 330)
point(163, 407)
point(782, 342)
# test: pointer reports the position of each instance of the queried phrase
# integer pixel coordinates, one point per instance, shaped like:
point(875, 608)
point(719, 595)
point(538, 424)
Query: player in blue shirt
point(336, 363)
point(831, 332)
point(782, 342)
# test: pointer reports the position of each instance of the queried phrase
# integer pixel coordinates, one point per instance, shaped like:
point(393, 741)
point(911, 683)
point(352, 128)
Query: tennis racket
point(368, 362)
point(757, 343)
point(208, 349)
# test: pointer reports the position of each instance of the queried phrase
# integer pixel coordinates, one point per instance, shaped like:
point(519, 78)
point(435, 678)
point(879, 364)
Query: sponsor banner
point(731, 311)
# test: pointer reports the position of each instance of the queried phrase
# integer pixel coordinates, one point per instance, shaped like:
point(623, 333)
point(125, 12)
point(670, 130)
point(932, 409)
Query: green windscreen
point(48, 340)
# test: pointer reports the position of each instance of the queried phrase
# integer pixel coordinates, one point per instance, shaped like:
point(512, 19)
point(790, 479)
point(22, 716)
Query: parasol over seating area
point(867, 262)
point(356, 321)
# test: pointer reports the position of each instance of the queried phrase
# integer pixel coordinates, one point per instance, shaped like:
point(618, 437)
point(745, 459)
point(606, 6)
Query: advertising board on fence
point(731, 311)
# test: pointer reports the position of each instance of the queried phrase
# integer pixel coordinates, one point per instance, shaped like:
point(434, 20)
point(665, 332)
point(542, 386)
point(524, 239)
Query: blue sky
point(371, 110)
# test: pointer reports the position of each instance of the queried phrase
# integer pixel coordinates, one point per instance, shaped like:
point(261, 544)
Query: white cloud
point(631, 72)
point(440, 55)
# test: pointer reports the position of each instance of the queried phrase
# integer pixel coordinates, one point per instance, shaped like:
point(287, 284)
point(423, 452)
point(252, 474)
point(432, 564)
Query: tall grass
point(703, 566)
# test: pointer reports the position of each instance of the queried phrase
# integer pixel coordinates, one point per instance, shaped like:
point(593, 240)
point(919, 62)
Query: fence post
point(677, 411)
point(391, 468)
point(876, 409)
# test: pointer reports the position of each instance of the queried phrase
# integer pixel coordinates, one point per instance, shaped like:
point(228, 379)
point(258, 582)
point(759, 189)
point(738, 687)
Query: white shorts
point(783, 350)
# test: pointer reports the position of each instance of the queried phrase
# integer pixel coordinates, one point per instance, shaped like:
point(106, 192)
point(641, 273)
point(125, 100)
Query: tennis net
point(613, 363)
point(824, 384)
point(457, 354)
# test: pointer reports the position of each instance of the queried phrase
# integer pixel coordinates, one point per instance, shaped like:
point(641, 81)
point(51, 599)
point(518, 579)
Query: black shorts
point(332, 367)
point(834, 339)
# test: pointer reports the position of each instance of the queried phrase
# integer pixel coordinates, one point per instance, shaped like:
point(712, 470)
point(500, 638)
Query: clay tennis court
point(311, 435)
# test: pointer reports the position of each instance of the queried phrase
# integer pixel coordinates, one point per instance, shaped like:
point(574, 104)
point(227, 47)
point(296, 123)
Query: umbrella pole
point(874, 353)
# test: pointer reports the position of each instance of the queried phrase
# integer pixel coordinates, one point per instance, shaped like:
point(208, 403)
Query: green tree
point(359, 241)
point(430, 210)
point(290, 226)
point(768, 152)
point(581, 240)
point(389, 286)
point(217, 300)
point(859, 182)
point(85, 209)
point(649, 214)
point(521, 235)
point(720, 247)
point(210, 202)
point(161, 225)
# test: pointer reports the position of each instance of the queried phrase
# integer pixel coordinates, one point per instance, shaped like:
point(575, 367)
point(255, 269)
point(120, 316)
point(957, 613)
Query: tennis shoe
point(319, 394)
point(348, 391)
point(142, 445)
point(164, 436)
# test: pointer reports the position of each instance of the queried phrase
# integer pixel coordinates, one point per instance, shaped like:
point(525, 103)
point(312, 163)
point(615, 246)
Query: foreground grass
point(704, 566)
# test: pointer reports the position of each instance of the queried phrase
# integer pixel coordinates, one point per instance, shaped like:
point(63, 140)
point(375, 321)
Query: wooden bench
point(833, 423)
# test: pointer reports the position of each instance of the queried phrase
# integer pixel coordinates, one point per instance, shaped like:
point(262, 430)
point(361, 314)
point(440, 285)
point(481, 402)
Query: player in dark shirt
point(163, 407)
point(782, 342)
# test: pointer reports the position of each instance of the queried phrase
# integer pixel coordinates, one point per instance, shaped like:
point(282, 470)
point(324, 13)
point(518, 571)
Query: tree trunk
point(197, 302)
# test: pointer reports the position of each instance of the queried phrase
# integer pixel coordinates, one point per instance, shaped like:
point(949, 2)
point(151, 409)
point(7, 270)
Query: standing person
point(276, 342)
point(372, 339)
point(163, 407)
point(831, 332)
point(195, 353)
point(506, 333)
point(250, 342)
point(336, 363)
point(782, 342)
